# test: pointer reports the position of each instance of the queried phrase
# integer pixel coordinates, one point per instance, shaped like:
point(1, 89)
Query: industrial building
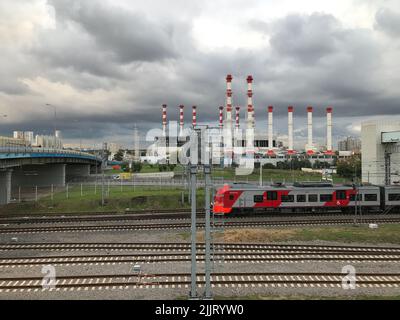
point(380, 159)
point(262, 143)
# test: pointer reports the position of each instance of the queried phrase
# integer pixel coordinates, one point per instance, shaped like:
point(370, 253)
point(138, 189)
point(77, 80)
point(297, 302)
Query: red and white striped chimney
point(290, 130)
point(309, 129)
point(237, 114)
point(329, 130)
point(250, 117)
point(270, 130)
point(229, 98)
point(164, 119)
point(250, 108)
point(221, 117)
point(194, 119)
point(228, 121)
point(181, 120)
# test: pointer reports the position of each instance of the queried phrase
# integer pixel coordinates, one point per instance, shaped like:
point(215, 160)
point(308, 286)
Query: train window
point(325, 197)
point(287, 198)
point(258, 198)
point(394, 196)
point(301, 198)
point(272, 195)
point(312, 198)
point(370, 197)
point(341, 195)
point(353, 197)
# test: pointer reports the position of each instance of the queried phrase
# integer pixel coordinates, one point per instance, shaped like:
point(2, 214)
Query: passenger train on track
point(304, 197)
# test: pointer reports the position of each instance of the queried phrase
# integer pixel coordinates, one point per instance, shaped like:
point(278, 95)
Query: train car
point(391, 197)
point(299, 197)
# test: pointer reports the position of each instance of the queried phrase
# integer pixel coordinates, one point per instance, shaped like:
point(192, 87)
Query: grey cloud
point(129, 36)
point(12, 86)
point(306, 38)
point(64, 48)
point(388, 21)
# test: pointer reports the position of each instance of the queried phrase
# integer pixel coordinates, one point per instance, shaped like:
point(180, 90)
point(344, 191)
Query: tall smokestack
point(228, 120)
point(250, 107)
point(229, 99)
point(290, 130)
point(237, 114)
point(194, 118)
point(309, 127)
point(270, 131)
point(329, 130)
point(250, 116)
point(221, 117)
point(164, 119)
point(181, 120)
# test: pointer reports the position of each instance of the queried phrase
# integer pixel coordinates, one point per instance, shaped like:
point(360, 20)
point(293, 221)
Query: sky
point(107, 65)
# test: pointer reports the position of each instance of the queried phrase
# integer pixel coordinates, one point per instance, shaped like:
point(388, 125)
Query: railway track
point(182, 280)
point(179, 252)
point(148, 215)
point(265, 256)
point(181, 246)
point(186, 225)
point(152, 215)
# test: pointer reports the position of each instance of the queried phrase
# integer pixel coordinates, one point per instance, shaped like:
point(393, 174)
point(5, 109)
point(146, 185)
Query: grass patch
point(388, 233)
point(273, 175)
point(142, 198)
point(251, 235)
point(229, 174)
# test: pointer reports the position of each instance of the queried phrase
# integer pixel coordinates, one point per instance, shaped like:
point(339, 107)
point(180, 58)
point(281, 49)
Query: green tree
point(125, 167)
point(119, 155)
point(136, 166)
point(349, 168)
point(268, 166)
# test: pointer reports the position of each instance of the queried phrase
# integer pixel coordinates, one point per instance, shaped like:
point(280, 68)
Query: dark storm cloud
point(388, 21)
point(316, 61)
point(129, 36)
point(305, 38)
point(69, 48)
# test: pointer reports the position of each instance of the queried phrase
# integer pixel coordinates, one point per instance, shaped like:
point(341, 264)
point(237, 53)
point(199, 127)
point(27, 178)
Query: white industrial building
point(373, 152)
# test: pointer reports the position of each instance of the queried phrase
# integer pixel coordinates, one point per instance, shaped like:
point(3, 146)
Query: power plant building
point(235, 133)
point(374, 164)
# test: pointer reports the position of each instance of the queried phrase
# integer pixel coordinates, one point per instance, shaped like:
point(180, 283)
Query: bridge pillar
point(5, 186)
point(74, 171)
point(39, 175)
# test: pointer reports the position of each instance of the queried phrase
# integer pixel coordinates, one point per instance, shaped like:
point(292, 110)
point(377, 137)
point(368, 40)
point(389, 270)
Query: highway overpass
point(29, 166)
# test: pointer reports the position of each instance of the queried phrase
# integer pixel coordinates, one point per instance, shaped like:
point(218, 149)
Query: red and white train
point(304, 197)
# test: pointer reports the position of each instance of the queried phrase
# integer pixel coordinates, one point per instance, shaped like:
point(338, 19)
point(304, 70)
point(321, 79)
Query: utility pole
point(356, 195)
point(355, 203)
point(387, 168)
point(207, 178)
point(103, 163)
point(193, 182)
